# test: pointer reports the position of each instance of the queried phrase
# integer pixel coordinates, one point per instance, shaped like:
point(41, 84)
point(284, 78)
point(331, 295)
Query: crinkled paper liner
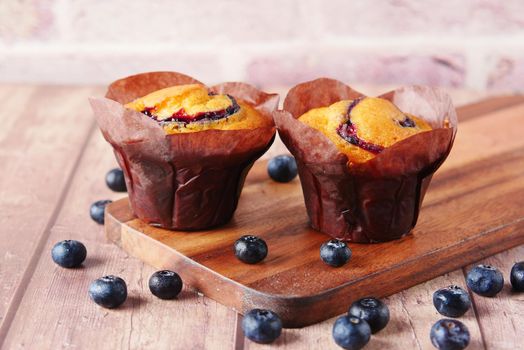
point(378, 200)
point(188, 181)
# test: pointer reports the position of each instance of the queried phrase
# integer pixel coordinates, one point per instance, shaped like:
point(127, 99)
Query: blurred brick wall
point(474, 44)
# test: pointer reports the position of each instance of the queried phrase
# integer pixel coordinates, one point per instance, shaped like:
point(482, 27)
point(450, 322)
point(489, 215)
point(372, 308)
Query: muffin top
point(362, 128)
point(191, 108)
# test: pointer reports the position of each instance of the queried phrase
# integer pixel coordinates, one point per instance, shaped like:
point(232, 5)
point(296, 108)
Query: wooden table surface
point(53, 162)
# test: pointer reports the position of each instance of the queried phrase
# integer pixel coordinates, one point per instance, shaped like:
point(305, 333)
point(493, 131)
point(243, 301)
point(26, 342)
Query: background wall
point(474, 44)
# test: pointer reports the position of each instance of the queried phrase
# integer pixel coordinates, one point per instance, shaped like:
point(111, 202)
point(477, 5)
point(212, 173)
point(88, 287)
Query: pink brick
point(102, 68)
point(26, 20)
point(401, 17)
point(507, 74)
point(361, 68)
point(206, 22)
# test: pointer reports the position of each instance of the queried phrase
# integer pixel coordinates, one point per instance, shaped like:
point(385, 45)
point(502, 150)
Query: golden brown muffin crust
point(191, 108)
point(363, 128)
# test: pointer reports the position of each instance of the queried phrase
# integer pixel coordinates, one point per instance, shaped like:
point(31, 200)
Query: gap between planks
point(239, 334)
point(30, 268)
point(474, 308)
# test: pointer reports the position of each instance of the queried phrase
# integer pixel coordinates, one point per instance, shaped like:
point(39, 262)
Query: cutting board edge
point(296, 311)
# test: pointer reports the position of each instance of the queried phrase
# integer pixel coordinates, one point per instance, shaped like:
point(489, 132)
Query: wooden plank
point(501, 318)
point(56, 311)
point(411, 316)
point(41, 137)
point(494, 323)
point(488, 105)
point(478, 138)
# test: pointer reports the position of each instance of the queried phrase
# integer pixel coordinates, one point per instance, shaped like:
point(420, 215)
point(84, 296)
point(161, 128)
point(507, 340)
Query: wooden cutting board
point(474, 208)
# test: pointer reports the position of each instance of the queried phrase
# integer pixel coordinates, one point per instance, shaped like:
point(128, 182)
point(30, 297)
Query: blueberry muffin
point(365, 163)
point(185, 148)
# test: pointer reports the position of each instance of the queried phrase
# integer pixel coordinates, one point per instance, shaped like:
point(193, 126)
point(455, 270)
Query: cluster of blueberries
point(352, 331)
point(111, 291)
point(369, 315)
point(454, 301)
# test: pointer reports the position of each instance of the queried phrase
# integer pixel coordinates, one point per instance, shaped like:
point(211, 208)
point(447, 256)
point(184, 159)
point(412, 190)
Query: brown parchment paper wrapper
point(378, 200)
point(188, 181)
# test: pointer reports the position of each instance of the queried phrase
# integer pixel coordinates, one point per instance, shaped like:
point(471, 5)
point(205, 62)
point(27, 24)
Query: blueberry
point(452, 301)
point(335, 253)
point(250, 249)
point(282, 168)
point(371, 310)
point(485, 280)
point(69, 253)
point(407, 122)
point(447, 334)
point(350, 332)
point(108, 291)
point(115, 180)
point(165, 284)
point(261, 326)
point(98, 209)
point(517, 277)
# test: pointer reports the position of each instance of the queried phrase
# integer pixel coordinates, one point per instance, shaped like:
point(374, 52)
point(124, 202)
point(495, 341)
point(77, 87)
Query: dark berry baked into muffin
point(185, 148)
point(365, 163)
point(191, 108)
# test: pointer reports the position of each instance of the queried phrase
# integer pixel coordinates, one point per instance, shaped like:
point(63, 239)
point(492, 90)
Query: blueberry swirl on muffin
point(192, 108)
